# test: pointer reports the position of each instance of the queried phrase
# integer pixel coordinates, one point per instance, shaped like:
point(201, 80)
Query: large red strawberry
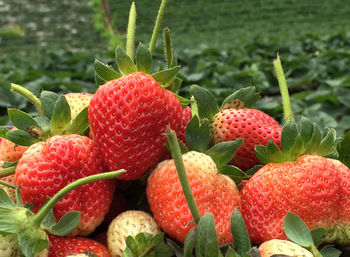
point(255, 127)
point(68, 246)
point(213, 192)
point(303, 182)
point(128, 117)
point(46, 167)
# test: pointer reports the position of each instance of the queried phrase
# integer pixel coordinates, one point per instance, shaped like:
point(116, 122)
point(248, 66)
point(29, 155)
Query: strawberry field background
point(52, 45)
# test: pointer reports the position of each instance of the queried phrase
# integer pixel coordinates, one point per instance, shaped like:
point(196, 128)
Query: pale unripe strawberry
point(129, 223)
point(78, 102)
point(277, 246)
point(9, 247)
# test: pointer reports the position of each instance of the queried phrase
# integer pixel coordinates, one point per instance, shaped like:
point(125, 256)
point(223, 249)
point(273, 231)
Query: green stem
point(7, 184)
point(130, 36)
point(156, 29)
point(47, 207)
point(287, 108)
point(30, 96)
point(167, 46)
point(7, 171)
point(313, 249)
point(177, 156)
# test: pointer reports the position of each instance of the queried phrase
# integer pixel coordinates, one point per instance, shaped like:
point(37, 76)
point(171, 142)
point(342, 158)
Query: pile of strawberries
point(192, 176)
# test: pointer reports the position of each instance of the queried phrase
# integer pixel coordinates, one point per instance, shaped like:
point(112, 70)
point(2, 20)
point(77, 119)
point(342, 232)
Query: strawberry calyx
point(31, 229)
point(296, 141)
point(242, 98)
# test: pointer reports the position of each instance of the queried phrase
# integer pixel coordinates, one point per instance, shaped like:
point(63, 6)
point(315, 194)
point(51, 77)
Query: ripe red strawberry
point(213, 192)
point(46, 167)
point(67, 246)
point(78, 102)
point(254, 126)
point(128, 117)
point(9, 152)
point(186, 117)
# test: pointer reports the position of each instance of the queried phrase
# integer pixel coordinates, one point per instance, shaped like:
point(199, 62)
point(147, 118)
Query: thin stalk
point(313, 249)
point(167, 46)
point(7, 184)
point(177, 156)
point(156, 28)
point(7, 171)
point(30, 96)
point(47, 207)
point(287, 108)
point(130, 36)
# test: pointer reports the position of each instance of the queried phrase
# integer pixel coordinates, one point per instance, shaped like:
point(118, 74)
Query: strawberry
point(128, 116)
point(67, 246)
point(9, 247)
point(254, 126)
point(78, 102)
point(186, 117)
point(283, 247)
point(128, 223)
point(9, 152)
point(303, 182)
point(212, 192)
point(46, 167)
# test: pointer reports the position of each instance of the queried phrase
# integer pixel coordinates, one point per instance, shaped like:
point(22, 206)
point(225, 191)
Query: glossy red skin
point(186, 118)
point(313, 187)
point(63, 246)
point(254, 126)
point(128, 117)
point(213, 192)
point(47, 167)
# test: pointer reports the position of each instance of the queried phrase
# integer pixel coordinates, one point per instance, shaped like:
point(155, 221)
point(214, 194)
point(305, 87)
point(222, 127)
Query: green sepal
point(240, 234)
point(61, 116)
point(343, 148)
point(235, 173)
point(165, 77)
point(274, 154)
point(143, 59)
point(3, 133)
point(105, 71)
point(21, 137)
point(206, 238)
point(44, 124)
point(197, 135)
point(223, 152)
point(184, 101)
point(20, 119)
point(330, 251)
point(48, 100)
point(248, 96)
point(80, 124)
point(254, 169)
point(124, 62)
point(327, 142)
point(189, 242)
point(18, 196)
point(5, 200)
point(317, 235)
point(177, 84)
point(66, 224)
point(127, 252)
point(30, 241)
point(289, 133)
point(49, 220)
point(41, 245)
point(98, 80)
point(231, 252)
point(254, 252)
point(297, 231)
point(207, 105)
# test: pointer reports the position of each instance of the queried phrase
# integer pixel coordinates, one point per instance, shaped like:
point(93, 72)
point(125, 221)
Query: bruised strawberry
point(47, 167)
point(68, 246)
point(128, 117)
point(213, 192)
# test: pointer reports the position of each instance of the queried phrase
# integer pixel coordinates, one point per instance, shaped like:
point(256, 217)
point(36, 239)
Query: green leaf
point(80, 124)
point(329, 251)
point(184, 101)
point(105, 72)
point(197, 136)
point(98, 80)
point(306, 129)
point(261, 154)
point(189, 242)
point(48, 100)
point(165, 77)
point(315, 141)
point(231, 253)
point(143, 59)
point(127, 252)
point(296, 230)
point(247, 95)
point(240, 234)
point(41, 245)
point(18, 196)
point(177, 84)
point(20, 119)
point(317, 235)
point(206, 238)
point(5, 200)
point(124, 62)
point(132, 245)
point(254, 252)
point(235, 173)
point(61, 116)
point(44, 123)
point(207, 105)
point(274, 154)
point(253, 170)
point(327, 142)
point(3, 133)
point(289, 133)
point(66, 224)
point(21, 137)
point(26, 244)
point(343, 149)
point(223, 152)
